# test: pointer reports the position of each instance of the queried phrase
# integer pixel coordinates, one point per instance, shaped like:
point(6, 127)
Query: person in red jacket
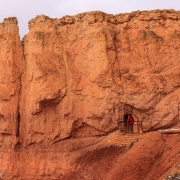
point(131, 123)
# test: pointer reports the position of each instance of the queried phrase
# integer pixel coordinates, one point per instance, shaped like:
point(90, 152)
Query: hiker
point(131, 123)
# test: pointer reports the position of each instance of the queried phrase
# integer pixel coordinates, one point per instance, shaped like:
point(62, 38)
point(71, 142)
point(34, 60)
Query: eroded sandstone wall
point(82, 73)
point(77, 76)
point(11, 63)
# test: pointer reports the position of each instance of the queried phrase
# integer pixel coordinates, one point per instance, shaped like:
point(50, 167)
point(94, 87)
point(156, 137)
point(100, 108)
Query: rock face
point(77, 76)
point(83, 73)
point(11, 60)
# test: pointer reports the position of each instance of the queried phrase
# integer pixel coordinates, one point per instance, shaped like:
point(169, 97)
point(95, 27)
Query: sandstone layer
point(71, 80)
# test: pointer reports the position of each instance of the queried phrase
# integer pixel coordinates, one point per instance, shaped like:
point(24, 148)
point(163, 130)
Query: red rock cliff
point(11, 60)
point(82, 73)
point(77, 76)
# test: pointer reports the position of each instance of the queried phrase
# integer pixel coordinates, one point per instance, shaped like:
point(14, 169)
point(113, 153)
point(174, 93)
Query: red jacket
point(131, 121)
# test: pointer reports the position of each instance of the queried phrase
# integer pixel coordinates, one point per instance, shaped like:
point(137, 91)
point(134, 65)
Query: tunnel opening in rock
point(125, 125)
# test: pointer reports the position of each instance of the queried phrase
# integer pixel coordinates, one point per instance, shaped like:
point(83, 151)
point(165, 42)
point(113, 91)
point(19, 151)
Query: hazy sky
point(25, 10)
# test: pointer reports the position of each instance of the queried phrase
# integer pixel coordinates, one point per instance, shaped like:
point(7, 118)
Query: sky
point(26, 10)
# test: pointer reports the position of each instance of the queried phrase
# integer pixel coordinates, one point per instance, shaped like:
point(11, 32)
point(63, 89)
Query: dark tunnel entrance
point(124, 125)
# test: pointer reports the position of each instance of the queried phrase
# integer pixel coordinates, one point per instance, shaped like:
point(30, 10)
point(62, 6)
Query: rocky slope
point(72, 79)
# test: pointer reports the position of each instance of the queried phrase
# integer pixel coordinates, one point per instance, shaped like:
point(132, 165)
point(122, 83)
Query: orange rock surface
point(11, 63)
point(64, 88)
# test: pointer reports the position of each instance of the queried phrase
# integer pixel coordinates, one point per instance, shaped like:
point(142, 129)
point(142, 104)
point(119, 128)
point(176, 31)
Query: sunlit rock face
point(11, 63)
point(82, 73)
point(77, 76)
